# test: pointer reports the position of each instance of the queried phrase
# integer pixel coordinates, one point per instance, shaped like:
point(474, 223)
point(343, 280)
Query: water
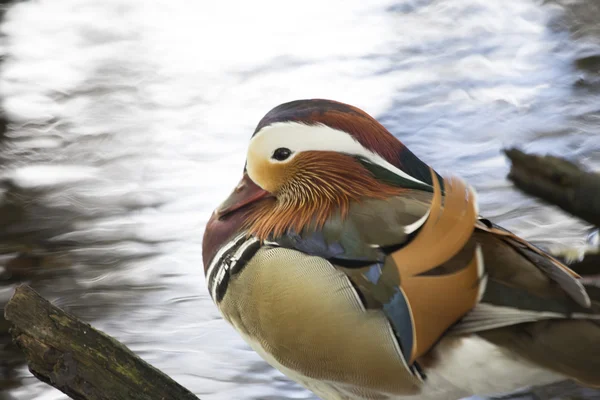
point(129, 121)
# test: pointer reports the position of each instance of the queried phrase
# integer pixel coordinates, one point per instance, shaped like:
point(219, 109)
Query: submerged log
point(559, 182)
point(80, 361)
point(564, 184)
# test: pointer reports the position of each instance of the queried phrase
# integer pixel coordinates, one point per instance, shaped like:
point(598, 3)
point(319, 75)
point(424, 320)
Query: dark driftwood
point(562, 183)
point(558, 182)
point(80, 361)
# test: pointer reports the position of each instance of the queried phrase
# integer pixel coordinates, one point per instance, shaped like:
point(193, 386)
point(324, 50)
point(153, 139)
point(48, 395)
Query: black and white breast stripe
point(228, 261)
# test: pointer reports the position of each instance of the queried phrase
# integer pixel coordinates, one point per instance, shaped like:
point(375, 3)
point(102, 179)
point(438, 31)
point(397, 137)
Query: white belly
point(467, 367)
point(473, 366)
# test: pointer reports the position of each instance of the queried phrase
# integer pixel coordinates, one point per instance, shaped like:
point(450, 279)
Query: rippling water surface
point(128, 122)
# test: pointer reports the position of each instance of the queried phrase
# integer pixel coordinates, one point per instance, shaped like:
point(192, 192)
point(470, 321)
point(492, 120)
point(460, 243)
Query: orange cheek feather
point(267, 175)
point(309, 189)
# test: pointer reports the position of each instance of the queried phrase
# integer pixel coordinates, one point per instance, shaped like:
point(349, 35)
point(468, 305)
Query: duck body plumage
point(326, 305)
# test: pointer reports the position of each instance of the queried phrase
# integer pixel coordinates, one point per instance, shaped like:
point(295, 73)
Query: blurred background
point(125, 122)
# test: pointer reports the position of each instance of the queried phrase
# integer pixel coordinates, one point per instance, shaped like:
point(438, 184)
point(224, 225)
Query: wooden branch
point(80, 361)
point(558, 182)
point(564, 184)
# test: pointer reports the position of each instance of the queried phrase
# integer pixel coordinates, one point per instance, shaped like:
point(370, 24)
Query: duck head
point(308, 159)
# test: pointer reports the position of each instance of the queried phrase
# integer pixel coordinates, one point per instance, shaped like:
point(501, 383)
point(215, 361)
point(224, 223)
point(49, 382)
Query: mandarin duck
point(359, 272)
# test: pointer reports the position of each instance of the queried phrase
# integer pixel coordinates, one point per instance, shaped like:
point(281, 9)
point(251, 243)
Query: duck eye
point(281, 154)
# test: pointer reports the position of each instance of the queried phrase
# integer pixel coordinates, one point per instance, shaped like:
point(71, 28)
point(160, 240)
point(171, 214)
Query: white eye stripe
point(319, 137)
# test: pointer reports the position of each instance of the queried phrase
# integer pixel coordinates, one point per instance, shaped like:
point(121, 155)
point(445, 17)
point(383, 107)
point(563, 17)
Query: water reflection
point(129, 121)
